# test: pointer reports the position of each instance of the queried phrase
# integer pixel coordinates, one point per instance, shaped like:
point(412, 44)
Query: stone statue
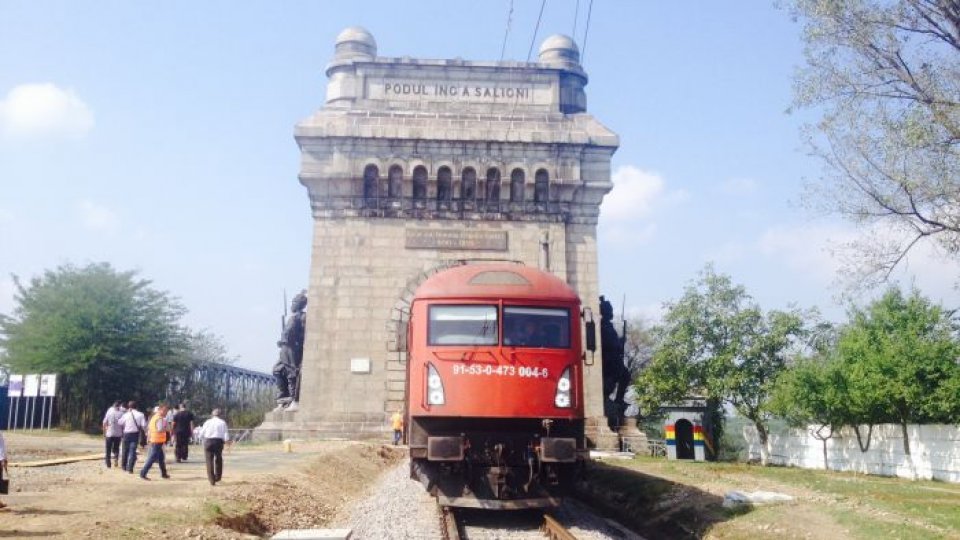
point(286, 372)
point(616, 376)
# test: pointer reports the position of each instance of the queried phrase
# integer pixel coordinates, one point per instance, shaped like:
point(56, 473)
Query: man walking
point(182, 429)
point(157, 437)
point(214, 433)
point(112, 433)
point(3, 462)
point(132, 423)
point(397, 421)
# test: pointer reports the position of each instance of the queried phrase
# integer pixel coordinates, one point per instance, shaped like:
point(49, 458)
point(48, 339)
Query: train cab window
point(462, 325)
point(536, 327)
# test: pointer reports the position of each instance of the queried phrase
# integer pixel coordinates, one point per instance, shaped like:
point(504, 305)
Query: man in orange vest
point(156, 438)
point(397, 421)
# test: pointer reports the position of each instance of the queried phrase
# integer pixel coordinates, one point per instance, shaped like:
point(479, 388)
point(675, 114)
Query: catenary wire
point(503, 48)
point(536, 29)
point(583, 53)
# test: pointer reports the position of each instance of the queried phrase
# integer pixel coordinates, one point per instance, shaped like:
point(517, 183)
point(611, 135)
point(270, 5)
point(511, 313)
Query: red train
point(495, 386)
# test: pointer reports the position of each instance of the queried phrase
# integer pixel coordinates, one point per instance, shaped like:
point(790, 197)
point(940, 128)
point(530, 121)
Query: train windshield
point(463, 325)
point(536, 327)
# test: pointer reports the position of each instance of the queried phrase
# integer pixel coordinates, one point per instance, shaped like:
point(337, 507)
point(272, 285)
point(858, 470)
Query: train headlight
point(562, 397)
point(435, 395)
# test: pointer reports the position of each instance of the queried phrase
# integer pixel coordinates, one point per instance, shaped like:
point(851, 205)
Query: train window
point(536, 327)
point(462, 325)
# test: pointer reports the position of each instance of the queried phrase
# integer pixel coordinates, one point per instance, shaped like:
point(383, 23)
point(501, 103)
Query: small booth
point(683, 429)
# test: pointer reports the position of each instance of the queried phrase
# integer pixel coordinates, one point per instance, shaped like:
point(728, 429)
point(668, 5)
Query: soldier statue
point(286, 372)
point(616, 376)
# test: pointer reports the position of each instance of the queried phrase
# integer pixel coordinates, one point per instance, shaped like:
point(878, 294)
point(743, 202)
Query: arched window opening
point(493, 185)
point(468, 191)
point(420, 182)
point(444, 184)
point(395, 181)
point(516, 185)
point(371, 177)
point(541, 186)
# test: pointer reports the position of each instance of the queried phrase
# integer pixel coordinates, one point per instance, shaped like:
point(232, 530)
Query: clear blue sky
point(159, 137)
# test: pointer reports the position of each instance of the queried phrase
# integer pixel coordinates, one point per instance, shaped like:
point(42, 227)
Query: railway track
point(468, 524)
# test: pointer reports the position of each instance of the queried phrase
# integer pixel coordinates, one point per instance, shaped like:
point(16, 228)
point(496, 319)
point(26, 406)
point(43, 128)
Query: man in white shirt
point(214, 433)
point(132, 423)
point(112, 432)
point(3, 461)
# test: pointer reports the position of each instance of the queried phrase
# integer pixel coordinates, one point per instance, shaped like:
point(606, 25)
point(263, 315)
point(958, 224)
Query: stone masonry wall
point(360, 274)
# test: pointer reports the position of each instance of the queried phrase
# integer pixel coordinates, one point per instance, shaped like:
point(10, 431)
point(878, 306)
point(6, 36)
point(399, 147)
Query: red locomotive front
point(495, 386)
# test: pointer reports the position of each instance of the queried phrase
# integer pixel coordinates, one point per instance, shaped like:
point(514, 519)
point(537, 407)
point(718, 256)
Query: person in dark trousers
point(3, 463)
point(182, 430)
point(133, 423)
point(214, 434)
point(112, 433)
point(157, 437)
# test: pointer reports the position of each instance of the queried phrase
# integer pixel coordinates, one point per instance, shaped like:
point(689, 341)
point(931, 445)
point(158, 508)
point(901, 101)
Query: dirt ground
point(263, 490)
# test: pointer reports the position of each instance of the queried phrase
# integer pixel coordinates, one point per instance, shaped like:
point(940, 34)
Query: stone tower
point(415, 165)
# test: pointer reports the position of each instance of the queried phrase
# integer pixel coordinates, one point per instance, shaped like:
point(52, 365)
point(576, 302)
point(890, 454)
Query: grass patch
point(653, 506)
point(862, 526)
point(866, 506)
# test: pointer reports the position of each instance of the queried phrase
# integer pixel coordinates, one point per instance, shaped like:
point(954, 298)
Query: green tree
point(109, 334)
point(814, 392)
point(884, 76)
point(716, 342)
point(901, 355)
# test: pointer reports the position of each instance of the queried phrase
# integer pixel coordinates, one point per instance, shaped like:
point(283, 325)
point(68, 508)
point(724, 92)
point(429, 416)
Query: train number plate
point(502, 371)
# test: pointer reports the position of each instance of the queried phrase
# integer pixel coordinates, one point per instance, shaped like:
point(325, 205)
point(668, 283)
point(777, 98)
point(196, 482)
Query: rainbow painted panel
point(697, 436)
point(670, 434)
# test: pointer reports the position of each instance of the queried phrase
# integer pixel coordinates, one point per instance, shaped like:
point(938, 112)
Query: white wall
point(935, 451)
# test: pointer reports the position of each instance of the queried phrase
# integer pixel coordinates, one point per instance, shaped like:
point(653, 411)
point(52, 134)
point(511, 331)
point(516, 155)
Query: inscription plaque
point(461, 92)
point(454, 239)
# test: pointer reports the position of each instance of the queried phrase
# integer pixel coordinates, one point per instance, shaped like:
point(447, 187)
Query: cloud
point(43, 110)
point(96, 217)
point(634, 195)
point(626, 215)
point(809, 249)
point(739, 186)
point(626, 234)
point(823, 253)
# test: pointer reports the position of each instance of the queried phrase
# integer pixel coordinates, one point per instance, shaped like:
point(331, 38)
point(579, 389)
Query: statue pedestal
point(274, 424)
point(285, 424)
point(633, 440)
point(599, 435)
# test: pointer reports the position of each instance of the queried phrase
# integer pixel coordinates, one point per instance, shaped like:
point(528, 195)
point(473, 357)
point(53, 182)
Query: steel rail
point(553, 530)
point(448, 523)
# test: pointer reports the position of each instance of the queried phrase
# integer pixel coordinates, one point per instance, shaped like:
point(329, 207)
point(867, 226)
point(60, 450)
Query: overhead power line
point(536, 29)
point(576, 15)
point(503, 49)
point(583, 52)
